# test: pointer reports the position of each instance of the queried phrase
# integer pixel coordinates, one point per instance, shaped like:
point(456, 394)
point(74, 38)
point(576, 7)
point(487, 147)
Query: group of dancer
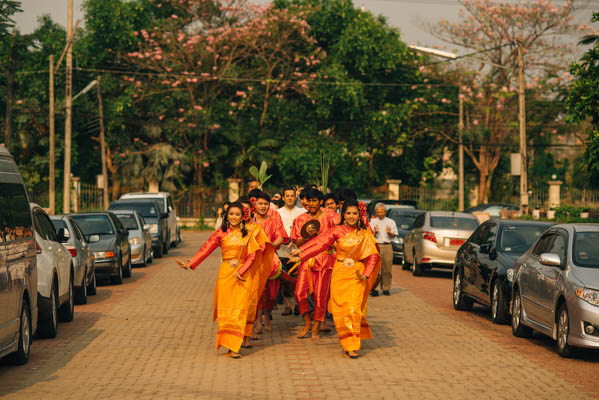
point(330, 247)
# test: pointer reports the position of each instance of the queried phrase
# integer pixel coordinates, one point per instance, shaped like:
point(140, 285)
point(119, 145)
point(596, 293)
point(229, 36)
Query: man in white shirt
point(289, 212)
point(385, 230)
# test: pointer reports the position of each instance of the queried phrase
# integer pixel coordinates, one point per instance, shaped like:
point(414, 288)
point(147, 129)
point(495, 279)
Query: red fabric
point(322, 292)
point(370, 263)
point(247, 264)
point(207, 248)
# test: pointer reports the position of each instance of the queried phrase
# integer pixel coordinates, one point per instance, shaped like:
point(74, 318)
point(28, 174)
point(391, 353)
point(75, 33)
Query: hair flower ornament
point(362, 208)
point(246, 214)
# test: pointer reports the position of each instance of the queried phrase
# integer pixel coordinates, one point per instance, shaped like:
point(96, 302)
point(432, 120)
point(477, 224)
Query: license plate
point(456, 242)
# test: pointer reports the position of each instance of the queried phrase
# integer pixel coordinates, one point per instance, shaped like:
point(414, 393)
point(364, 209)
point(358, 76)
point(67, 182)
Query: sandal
point(287, 311)
point(234, 355)
point(351, 354)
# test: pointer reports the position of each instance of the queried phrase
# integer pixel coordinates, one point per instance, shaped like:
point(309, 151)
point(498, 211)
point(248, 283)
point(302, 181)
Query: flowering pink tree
point(208, 60)
point(496, 30)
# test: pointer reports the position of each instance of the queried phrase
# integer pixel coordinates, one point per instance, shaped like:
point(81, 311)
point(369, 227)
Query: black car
point(404, 218)
point(158, 221)
point(109, 241)
point(484, 266)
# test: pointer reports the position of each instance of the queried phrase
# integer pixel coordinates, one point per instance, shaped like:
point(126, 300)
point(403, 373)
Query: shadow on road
point(50, 355)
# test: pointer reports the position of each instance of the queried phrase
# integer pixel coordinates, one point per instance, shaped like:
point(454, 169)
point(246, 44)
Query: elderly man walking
point(385, 230)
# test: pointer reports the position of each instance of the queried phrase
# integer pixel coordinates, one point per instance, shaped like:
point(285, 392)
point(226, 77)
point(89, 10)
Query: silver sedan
point(556, 288)
point(435, 239)
point(139, 236)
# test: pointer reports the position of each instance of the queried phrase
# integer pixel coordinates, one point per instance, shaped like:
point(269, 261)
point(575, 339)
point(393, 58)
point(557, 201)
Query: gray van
point(18, 268)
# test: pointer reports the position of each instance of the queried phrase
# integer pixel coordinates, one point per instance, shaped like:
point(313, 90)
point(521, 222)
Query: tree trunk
point(483, 177)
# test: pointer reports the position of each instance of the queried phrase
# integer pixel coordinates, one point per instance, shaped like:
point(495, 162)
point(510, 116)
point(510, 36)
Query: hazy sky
point(406, 15)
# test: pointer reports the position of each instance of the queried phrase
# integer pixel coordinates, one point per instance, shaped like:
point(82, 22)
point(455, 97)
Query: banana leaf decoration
point(260, 175)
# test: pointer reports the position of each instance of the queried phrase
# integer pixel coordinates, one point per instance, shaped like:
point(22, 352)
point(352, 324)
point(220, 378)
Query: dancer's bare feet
point(315, 329)
point(232, 354)
point(267, 325)
point(307, 322)
point(324, 328)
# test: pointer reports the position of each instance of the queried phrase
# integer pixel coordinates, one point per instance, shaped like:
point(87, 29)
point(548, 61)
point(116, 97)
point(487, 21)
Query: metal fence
point(430, 198)
point(197, 202)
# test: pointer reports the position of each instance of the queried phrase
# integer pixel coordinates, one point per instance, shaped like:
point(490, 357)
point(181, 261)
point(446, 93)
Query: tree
point(496, 30)
point(583, 103)
point(8, 8)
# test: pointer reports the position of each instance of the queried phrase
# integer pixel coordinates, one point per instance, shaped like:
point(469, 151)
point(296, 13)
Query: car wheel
point(117, 280)
point(459, 301)
point(405, 265)
point(49, 328)
point(66, 312)
point(151, 259)
point(158, 253)
point(21, 356)
point(91, 288)
point(499, 313)
point(518, 329)
point(178, 236)
point(165, 247)
point(81, 292)
point(127, 271)
point(417, 269)
point(144, 259)
point(563, 331)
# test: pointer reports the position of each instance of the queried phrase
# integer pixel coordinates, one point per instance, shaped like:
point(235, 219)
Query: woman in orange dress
point(355, 270)
point(234, 281)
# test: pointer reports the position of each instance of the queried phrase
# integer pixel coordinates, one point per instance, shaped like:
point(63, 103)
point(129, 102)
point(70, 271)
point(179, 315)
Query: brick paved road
point(153, 338)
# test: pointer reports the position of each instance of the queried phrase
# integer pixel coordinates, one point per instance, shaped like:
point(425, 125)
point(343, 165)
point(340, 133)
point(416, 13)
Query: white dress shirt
point(382, 236)
point(288, 216)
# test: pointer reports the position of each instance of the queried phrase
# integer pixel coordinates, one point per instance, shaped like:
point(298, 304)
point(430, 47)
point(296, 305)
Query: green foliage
point(260, 175)
point(8, 8)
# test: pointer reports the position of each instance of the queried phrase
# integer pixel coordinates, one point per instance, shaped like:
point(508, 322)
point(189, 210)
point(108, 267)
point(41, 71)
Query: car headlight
point(134, 241)
point(103, 254)
point(154, 228)
point(589, 295)
point(510, 275)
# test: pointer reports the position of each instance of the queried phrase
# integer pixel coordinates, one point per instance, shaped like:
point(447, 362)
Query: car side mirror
point(63, 235)
point(147, 227)
point(485, 248)
point(94, 239)
point(550, 259)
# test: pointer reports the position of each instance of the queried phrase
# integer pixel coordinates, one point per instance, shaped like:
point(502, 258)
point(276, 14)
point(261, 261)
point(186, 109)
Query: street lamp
point(452, 56)
point(521, 116)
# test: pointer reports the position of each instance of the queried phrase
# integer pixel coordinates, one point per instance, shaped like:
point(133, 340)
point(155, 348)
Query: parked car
point(435, 239)
point(165, 201)
point(484, 266)
point(55, 276)
point(109, 241)
point(494, 209)
point(404, 219)
point(83, 258)
point(139, 236)
point(556, 288)
point(150, 210)
point(399, 204)
point(18, 265)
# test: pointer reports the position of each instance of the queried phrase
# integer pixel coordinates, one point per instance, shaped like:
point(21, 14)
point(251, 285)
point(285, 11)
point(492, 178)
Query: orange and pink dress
point(231, 296)
point(356, 251)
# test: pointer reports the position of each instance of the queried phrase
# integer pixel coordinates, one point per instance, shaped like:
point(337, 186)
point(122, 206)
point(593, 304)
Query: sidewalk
point(158, 342)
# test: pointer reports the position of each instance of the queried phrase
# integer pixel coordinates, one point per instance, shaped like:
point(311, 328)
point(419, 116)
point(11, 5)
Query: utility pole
point(52, 161)
point(68, 112)
point(522, 122)
point(461, 150)
point(103, 147)
point(9, 93)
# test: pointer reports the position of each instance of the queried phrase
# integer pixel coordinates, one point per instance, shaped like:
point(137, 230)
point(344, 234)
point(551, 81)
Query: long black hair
point(225, 225)
point(352, 203)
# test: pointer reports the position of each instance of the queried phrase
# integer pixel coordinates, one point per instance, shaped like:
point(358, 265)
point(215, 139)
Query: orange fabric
point(349, 295)
point(260, 272)
point(273, 229)
point(231, 296)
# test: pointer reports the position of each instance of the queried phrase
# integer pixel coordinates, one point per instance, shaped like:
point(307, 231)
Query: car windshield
point(518, 239)
point(158, 200)
point(586, 252)
point(59, 223)
point(403, 220)
point(147, 210)
point(129, 222)
point(466, 224)
point(94, 224)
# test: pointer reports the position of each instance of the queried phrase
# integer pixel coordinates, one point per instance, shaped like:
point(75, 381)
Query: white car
point(165, 201)
point(55, 275)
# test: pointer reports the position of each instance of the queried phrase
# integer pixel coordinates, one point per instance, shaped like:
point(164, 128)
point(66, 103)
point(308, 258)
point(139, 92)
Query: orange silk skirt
point(348, 301)
point(231, 299)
